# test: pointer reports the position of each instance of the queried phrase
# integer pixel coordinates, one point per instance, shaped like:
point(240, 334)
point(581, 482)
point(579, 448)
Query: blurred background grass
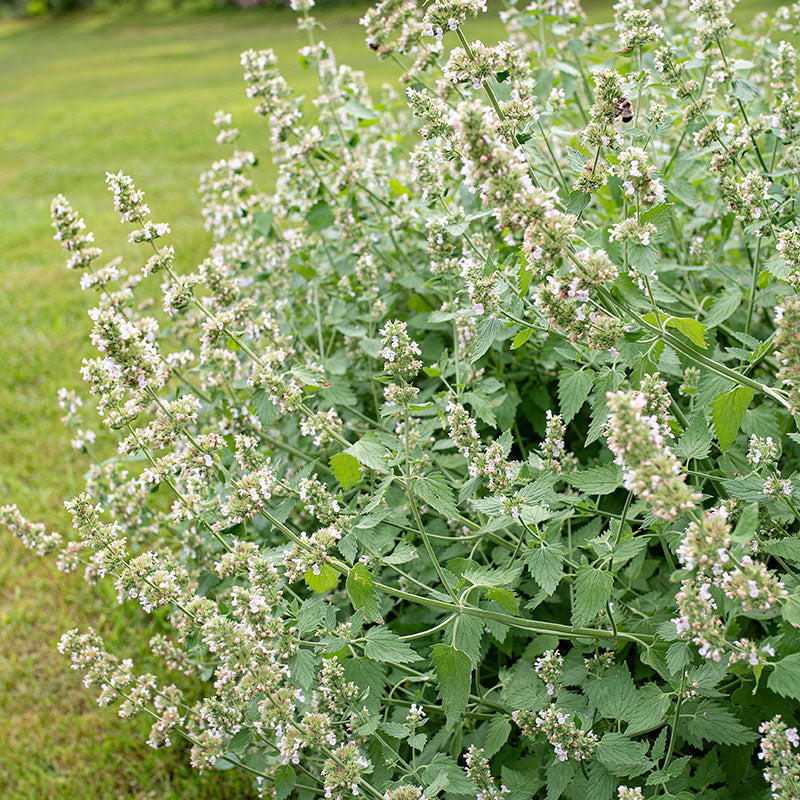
point(79, 96)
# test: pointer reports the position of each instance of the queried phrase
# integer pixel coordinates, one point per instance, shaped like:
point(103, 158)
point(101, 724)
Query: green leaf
point(727, 413)
point(370, 677)
point(714, 723)
point(265, 410)
point(302, 666)
point(784, 548)
point(649, 710)
point(434, 490)
point(573, 389)
point(239, 741)
point(622, 756)
point(327, 579)
point(693, 330)
point(383, 645)
point(496, 733)
point(359, 110)
point(370, 452)
point(362, 593)
point(320, 217)
point(544, 563)
point(311, 613)
point(790, 610)
point(484, 337)
point(284, 779)
point(614, 694)
point(695, 441)
point(520, 338)
point(785, 677)
point(747, 524)
point(346, 469)
point(453, 670)
point(723, 306)
point(504, 597)
point(602, 479)
point(592, 592)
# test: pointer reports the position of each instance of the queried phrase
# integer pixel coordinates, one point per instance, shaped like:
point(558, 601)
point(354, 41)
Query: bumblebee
point(624, 110)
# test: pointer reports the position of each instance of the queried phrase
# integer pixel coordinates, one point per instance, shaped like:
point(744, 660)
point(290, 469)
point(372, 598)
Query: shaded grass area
point(78, 97)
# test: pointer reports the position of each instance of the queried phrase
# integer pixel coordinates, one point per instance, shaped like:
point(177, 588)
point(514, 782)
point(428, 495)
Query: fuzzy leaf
point(716, 724)
point(622, 756)
point(484, 337)
point(370, 452)
point(362, 593)
point(602, 479)
point(383, 645)
point(592, 592)
point(544, 563)
point(573, 389)
point(695, 441)
point(785, 678)
point(727, 413)
point(434, 490)
point(453, 670)
point(346, 469)
point(326, 579)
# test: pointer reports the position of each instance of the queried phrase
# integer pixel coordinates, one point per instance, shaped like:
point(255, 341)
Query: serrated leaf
point(785, 677)
point(321, 581)
point(239, 741)
point(693, 330)
point(383, 645)
point(544, 563)
point(485, 335)
point(602, 479)
point(402, 554)
point(723, 306)
point(453, 670)
point(311, 613)
point(714, 723)
point(302, 667)
point(370, 677)
point(695, 441)
point(614, 694)
point(602, 785)
point(265, 410)
point(362, 593)
point(346, 469)
point(649, 710)
point(283, 781)
point(573, 389)
point(592, 592)
point(370, 452)
point(496, 733)
point(434, 490)
point(622, 756)
point(727, 413)
point(520, 337)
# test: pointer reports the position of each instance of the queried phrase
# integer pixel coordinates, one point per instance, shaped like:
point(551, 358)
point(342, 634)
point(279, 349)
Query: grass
point(80, 96)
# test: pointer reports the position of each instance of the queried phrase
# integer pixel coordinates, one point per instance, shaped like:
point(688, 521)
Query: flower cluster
point(636, 438)
point(779, 752)
point(568, 740)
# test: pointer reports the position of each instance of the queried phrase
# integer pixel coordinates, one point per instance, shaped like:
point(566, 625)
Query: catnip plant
point(466, 463)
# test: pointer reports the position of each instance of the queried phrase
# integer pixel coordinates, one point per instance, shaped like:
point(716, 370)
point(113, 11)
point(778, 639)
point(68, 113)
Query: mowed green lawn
point(78, 97)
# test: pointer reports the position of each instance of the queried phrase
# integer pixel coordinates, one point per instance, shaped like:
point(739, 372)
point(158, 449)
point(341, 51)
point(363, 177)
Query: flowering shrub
point(466, 463)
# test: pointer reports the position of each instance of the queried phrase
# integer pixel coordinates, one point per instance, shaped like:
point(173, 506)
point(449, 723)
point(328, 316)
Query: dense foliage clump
point(466, 464)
